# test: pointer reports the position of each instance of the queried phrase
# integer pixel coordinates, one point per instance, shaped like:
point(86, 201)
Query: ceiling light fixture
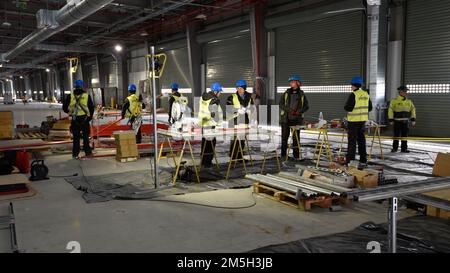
point(118, 48)
point(201, 16)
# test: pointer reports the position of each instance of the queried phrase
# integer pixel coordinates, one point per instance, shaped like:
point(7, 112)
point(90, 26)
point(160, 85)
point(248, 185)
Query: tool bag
point(38, 171)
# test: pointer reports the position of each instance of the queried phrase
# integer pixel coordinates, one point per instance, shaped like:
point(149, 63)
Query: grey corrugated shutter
point(177, 69)
point(427, 64)
point(229, 60)
point(327, 52)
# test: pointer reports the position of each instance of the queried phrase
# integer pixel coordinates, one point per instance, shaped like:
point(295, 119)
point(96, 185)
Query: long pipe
point(65, 17)
point(66, 48)
point(155, 125)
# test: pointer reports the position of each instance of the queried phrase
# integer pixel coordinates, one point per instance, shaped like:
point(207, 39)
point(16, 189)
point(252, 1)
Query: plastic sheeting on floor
point(418, 234)
point(139, 185)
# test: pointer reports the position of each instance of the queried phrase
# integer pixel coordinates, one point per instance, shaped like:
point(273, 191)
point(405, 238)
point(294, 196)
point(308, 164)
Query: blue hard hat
point(295, 78)
point(241, 83)
point(174, 86)
point(79, 83)
point(131, 88)
point(357, 80)
point(216, 87)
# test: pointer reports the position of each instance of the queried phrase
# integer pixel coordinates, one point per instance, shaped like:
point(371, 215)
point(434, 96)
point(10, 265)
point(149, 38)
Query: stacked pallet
point(60, 131)
point(6, 125)
point(127, 150)
point(297, 191)
point(31, 135)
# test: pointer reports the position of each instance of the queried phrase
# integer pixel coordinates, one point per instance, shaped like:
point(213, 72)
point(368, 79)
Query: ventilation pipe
point(73, 12)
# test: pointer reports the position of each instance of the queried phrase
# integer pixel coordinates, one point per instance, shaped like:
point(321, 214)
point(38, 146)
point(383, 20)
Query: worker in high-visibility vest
point(240, 103)
point(358, 106)
point(174, 97)
point(132, 109)
point(401, 112)
point(210, 115)
point(293, 104)
point(80, 107)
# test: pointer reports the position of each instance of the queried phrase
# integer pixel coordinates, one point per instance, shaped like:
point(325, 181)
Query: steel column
point(392, 220)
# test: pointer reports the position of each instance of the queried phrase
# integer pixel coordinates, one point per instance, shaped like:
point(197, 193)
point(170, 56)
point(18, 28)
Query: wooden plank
point(12, 179)
point(289, 199)
point(442, 194)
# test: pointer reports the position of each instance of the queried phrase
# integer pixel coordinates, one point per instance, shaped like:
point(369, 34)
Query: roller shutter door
point(427, 64)
point(326, 53)
point(229, 60)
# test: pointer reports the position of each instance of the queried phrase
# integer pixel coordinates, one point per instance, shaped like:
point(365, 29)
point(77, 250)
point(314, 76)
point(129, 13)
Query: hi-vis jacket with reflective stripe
point(210, 111)
point(135, 107)
point(361, 109)
point(402, 109)
point(237, 103)
point(79, 105)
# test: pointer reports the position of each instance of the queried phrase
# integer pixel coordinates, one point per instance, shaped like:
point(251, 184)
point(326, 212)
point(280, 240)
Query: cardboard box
point(6, 134)
point(125, 142)
point(61, 126)
point(6, 116)
point(124, 135)
point(126, 151)
point(365, 179)
point(442, 165)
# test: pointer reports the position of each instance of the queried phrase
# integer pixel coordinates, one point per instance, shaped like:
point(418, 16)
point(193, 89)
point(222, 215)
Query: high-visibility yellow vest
point(176, 98)
point(204, 114)
point(135, 107)
point(286, 99)
point(401, 109)
point(361, 110)
point(236, 102)
point(79, 105)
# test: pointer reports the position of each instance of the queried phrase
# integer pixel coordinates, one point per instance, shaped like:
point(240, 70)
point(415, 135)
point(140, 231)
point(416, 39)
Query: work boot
point(394, 150)
point(406, 151)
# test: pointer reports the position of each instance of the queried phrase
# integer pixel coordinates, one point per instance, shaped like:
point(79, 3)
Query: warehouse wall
point(427, 64)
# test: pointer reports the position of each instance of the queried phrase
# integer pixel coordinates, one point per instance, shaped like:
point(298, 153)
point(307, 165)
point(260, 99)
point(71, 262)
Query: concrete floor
point(58, 215)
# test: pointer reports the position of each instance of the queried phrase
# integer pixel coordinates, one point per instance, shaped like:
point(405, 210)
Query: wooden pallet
point(437, 212)
point(127, 159)
point(32, 135)
point(305, 204)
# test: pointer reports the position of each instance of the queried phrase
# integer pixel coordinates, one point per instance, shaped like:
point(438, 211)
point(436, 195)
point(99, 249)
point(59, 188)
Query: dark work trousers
point(208, 153)
point(80, 128)
point(237, 151)
point(401, 129)
point(285, 132)
point(356, 134)
point(139, 133)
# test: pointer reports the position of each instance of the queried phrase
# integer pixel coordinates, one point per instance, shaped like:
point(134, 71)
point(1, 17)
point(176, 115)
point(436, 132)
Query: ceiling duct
point(71, 13)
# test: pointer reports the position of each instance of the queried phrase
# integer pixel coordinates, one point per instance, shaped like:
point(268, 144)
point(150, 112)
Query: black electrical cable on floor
point(64, 176)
